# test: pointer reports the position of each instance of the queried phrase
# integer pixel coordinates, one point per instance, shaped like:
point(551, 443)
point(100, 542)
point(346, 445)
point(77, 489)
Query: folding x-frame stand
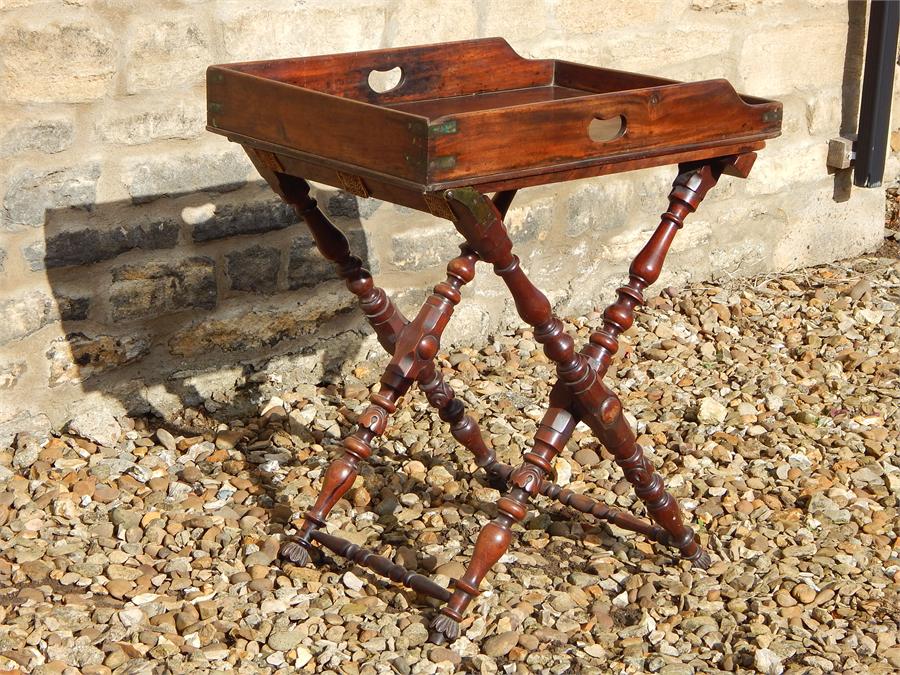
point(578, 395)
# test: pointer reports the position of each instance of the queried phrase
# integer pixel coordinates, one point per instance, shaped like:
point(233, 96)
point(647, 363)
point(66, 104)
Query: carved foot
point(294, 551)
point(701, 559)
point(443, 630)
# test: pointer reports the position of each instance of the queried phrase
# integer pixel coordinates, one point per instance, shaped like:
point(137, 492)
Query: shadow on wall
point(167, 303)
point(854, 58)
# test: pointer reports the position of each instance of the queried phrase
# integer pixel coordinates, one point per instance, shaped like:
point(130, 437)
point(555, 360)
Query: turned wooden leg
point(493, 541)
point(482, 225)
point(616, 435)
point(451, 410)
point(386, 320)
point(342, 472)
point(606, 419)
point(690, 187)
point(414, 350)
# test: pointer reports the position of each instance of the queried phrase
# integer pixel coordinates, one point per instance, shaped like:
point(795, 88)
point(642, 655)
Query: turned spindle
point(381, 565)
point(616, 435)
point(478, 220)
point(384, 317)
point(413, 356)
point(688, 190)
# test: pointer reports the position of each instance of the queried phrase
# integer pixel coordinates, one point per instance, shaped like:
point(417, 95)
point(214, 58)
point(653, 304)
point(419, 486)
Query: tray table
point(462, 120)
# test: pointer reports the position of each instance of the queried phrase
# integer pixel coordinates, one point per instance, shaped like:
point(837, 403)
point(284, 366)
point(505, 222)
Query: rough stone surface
point(242, 218)
point(307, 267)
point(425, 246)
point(56, 56)
point(585, 220)
point(48, 135)
point(10, 372)
point(283, 31)
point(24, 314)
point(150, 178)
point(143, 122)
point(76, 356)
point(73, 308)
point(31, 194)
point(790, 69)
point(88, 246)
point(258, 329)
point(97, 426)
point(23, 422)
point(346, 205)
point(166, 52)
point(153, 288)
point(254, 269)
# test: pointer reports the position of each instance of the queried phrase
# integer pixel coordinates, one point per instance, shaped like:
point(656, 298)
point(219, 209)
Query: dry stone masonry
point(143, 266)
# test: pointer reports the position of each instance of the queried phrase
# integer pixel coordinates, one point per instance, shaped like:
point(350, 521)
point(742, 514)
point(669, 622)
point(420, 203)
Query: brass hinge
point(442, 129)
point(442, 163)
point(475, 202)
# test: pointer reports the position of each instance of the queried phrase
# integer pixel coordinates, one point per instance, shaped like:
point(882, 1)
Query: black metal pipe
point(878, 82)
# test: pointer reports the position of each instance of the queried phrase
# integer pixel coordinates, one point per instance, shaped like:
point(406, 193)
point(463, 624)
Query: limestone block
point(23, 314)
point(824, 112)
point(345, 205)
point(156, 288)
point(47, 135)
point(822, 229)
point(77, 357)
point(254, 269)
point(147, 178)
point(597, 206)
point(73, 308)
point(164, 52)
point(449, 19)
point(31, 193)
point(307, 267)
point(788, 161)
point(63, 56)
point(142, 121)
point(418, 247)
point(10, 372)
point(521, 22)
point(242, 217)
point(285, 29)
point(738, 7)
point(238, 330)
point(606, 16)
point(91, 245)
point(774, 61)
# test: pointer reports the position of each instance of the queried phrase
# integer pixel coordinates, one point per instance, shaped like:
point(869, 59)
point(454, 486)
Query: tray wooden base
point(578, 395)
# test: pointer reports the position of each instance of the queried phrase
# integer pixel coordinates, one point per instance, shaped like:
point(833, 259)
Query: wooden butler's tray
point(472, 113)
point(465, 119)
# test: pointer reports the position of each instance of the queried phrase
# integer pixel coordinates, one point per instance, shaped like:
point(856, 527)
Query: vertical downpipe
point(875, 104)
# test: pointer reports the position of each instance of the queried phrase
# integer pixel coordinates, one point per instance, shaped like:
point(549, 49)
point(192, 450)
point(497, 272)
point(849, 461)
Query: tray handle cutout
point(383, 81)
point(602, 129)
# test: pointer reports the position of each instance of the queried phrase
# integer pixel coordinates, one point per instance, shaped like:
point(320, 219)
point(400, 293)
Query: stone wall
point(143, 266)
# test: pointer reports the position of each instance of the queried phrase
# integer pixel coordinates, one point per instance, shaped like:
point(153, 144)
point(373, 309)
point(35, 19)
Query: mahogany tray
point(475, 114)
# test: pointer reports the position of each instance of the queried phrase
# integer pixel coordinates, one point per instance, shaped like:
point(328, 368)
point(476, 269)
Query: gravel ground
point(770, 405)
